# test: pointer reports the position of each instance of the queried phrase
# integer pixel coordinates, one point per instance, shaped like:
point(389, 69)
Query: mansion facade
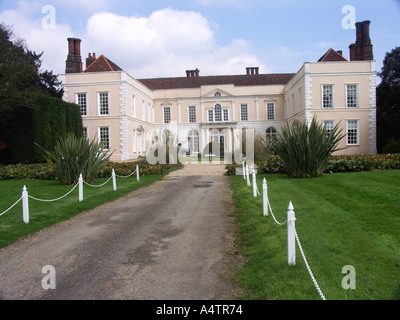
point(124, 112)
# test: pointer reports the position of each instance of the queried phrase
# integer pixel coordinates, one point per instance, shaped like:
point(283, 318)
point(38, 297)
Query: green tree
point(388, 104)
point(31, 108)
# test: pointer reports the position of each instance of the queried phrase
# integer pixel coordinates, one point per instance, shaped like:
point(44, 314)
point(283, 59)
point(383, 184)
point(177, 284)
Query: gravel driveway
point(171, 240)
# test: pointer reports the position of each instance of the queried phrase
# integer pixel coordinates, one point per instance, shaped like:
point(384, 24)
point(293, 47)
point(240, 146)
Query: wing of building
point(124, 112)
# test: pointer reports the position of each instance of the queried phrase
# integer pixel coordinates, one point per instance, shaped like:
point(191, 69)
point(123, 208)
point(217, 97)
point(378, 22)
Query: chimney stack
point(74, 59)
point(362, 49)
point(252, 70)
point(90, 59)
point(192, 73)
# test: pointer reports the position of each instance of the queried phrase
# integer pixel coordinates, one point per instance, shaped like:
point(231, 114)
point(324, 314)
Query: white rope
point(124, 177)
point(54, 200)
point(308, 267)
point(101, 185)
point(281, 224)
point(11, 206)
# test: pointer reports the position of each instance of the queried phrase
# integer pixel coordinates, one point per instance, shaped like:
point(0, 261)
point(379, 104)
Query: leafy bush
point(73, 156)
point(304, 150)
point(335, 164)
point(46, 171)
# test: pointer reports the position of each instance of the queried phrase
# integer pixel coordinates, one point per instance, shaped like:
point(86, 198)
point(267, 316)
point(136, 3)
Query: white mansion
point(123, 112)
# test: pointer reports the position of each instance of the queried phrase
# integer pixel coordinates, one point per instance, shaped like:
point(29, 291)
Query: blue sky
point(164, 38)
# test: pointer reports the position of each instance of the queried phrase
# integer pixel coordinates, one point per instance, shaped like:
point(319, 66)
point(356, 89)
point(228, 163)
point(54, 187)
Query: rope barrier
point(124, 177)
point(307, 265)
point(11, 206)
point(54, 200)
point(296, 236)
point(97, 186)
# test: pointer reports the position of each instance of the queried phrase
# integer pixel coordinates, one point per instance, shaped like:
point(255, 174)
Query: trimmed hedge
point(46, 171)
point(354, 163)
point(42, 120)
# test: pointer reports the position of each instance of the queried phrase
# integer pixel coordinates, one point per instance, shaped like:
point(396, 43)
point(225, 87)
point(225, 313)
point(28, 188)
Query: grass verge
point(45, 214)
point(341, 219)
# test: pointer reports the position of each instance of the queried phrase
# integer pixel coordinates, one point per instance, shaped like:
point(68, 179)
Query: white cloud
point(27, 25)
point(166, 43)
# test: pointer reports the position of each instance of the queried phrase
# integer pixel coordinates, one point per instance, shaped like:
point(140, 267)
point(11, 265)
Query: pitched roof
point(102, 64)
point(332, 55)
point(236, 80)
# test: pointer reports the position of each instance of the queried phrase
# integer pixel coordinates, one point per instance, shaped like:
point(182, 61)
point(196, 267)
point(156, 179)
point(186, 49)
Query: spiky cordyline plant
point(305, 150)
point(73, 156)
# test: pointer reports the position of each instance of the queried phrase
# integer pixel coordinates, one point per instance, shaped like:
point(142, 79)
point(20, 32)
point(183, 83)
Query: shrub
point(73, 156)
point(305, 150)
point(335, 164)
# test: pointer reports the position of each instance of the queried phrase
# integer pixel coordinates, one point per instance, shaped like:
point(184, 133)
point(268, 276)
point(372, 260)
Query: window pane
point(192, 114)
point(210, 115)
point(103, 103)
point(270, 111)
point(327, 98)
point(352, 96)
point(218, 113)
point(82, 103)
point(105, 137)
point(167, 114)
point(352, 132)
point(244, 113)
point(226, 115)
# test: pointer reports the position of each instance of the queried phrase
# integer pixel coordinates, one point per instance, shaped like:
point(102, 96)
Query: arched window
point(193, 141)
point(218, 113)
point(271, 133)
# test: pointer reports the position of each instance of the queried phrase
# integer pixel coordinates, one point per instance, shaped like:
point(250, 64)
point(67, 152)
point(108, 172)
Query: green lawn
point(43, 214)
point(341, 219)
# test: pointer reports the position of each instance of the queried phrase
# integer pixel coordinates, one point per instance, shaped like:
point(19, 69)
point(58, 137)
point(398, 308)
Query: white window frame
point(99, 103)
point(333, 96)
point(221, 114)
point(357, 143)
point(242, 106)
point(134, 106)
point(192, 118)
point(331, 122)
point(100, 137)
point(78, 102)
point(270, 113)
point(347, 96)
point(170, 116)
point(143, 110)
point(225, 111)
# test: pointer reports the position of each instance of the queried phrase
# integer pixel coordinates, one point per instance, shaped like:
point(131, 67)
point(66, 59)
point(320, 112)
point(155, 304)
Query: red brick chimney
point(90, 59)
point(74, 59)
point(362, 49)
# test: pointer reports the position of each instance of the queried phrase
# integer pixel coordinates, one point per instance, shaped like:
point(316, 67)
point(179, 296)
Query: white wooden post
point(247, 175)
point(244, 171)
point(265, 198)
point(137, 173)
point(254, 182)
point(80, 188)
point(291, 236)
point(114, 180)
point(25, 205)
